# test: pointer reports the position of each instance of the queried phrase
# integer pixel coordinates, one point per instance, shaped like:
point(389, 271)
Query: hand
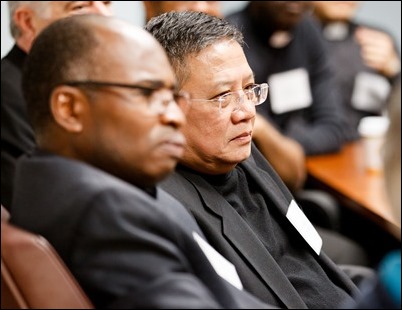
point(378, 51)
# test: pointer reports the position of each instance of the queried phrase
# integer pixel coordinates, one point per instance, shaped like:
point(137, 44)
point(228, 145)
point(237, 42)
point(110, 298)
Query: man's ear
point(68, 107)
point(24, 19)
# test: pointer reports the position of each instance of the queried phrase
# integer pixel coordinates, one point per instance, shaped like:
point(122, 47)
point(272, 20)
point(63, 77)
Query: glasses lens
point(257, 94)
point(263, 93)
point(260, 93)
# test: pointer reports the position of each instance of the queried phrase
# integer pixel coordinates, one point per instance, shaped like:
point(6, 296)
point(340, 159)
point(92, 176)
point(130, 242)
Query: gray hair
point(40, 8)
point(187, 33)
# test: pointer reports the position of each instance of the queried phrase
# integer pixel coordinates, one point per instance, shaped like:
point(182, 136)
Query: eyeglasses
point(256, 94)
point(159, 99)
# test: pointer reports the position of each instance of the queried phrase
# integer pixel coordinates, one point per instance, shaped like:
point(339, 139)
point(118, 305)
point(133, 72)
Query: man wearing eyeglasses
point(242, 206)
point(103, 101)
point(27, 20)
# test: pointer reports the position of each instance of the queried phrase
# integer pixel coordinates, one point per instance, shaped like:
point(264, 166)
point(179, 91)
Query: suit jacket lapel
point(281, 199)
point(234, 228)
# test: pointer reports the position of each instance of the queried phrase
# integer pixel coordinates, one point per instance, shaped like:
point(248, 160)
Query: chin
point(241, 156)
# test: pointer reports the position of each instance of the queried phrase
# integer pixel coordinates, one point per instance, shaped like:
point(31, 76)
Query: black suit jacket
point(227, 231)
point(17, 135)
point(126, 248)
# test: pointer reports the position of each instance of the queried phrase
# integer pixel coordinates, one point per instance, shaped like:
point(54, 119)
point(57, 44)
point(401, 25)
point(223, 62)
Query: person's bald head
point(89, 47)
point(102, 91)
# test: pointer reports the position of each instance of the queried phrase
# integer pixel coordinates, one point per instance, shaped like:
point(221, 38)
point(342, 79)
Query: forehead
point(187, 5)
point(69, 7)
point(223, 63)
point(134, 54)
point(63, 5)
point(336, 4)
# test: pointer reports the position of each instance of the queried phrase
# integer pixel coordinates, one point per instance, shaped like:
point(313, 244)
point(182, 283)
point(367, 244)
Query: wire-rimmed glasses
point(159, 99)
point(255, 93)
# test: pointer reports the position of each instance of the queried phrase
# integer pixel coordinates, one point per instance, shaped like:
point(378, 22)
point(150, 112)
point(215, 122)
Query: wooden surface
point(345, 176)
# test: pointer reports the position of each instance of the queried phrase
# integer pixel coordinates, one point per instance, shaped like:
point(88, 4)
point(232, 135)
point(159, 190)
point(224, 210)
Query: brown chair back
point(33, 275)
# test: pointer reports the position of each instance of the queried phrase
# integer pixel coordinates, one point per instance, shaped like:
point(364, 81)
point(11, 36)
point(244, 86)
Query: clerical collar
point(336, 31)
point(150, 191)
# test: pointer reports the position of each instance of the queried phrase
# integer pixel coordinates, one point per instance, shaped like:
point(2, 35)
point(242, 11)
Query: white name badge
point(290, 91)
point(370, 92)
point(222, 266)
point(299, 220)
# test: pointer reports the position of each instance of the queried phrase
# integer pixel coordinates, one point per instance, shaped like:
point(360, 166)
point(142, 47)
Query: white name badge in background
point(289, 91)
point(370, 92)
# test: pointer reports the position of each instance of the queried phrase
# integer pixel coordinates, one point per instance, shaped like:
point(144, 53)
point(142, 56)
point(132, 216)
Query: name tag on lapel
point(222, 266)
point(304, 227)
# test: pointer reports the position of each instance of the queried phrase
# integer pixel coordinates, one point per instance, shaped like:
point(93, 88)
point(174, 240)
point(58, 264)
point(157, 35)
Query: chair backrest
point(33, 275)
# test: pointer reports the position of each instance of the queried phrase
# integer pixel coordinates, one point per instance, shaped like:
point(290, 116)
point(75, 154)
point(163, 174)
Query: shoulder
point(78, 187)
point(180, 187)
point(10, 75)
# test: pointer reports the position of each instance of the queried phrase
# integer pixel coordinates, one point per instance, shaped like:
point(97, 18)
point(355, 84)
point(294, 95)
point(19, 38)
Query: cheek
point(125, 129)
point(206, 132)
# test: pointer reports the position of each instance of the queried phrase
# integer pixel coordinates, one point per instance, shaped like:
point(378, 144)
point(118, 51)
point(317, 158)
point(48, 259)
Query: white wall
point(385, 14)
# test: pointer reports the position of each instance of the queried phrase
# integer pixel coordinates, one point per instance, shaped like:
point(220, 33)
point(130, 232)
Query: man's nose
point(102, 8)
point(174, 114)
point(243, 102)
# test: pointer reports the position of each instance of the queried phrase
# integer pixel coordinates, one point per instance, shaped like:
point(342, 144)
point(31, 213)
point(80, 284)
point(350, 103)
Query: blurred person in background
point(365, 60)
point(285, 49)
point(27, 20)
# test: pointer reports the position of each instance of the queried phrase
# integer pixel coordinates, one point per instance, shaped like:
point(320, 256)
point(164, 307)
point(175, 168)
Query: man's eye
point(147, 92)
point(249, 86)
point(79, 5)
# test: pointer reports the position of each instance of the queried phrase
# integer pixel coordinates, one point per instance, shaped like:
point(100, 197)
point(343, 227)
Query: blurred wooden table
point(344, 175)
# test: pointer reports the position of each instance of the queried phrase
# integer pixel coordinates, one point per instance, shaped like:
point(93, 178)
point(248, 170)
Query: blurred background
point(383, 14)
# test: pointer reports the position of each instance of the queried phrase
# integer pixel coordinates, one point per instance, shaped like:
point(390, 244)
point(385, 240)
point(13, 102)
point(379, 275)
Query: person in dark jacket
point(240, 203)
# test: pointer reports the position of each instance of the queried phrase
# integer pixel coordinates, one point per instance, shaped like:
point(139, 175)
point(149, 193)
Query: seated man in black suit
point(102, 99)
point(241, 204)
